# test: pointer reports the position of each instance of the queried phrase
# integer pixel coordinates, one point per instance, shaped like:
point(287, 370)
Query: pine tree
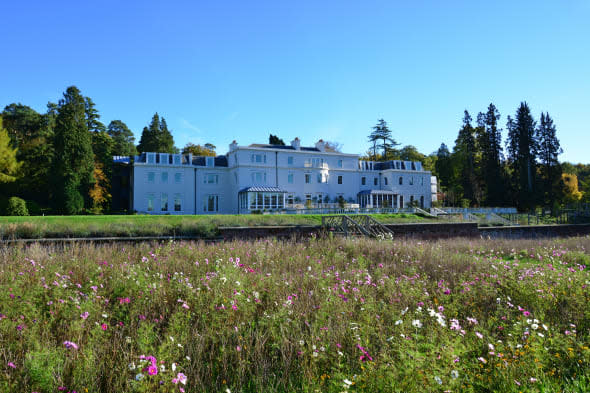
point(382, 137)
point(444, 166)
point(156, 137)
point(123, 140)
point(166, 139)
point(74, 163)
point(92, 117)
point(548, 150)
point(490, 146)
point(464, 158)
point(275, 140)
point(522, 151)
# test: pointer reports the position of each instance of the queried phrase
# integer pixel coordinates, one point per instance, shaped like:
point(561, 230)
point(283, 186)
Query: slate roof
point(267, 146)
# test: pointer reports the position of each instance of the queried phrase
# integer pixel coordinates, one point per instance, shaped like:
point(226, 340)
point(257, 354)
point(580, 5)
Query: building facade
point(269, 177)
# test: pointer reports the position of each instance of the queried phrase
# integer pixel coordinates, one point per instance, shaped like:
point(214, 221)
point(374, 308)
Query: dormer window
point(210, 161)
point(177, 159)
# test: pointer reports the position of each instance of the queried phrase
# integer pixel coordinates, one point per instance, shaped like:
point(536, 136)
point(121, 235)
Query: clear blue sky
point(224, 70)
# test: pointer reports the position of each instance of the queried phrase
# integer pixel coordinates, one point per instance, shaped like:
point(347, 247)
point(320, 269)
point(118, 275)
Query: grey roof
point(201, 161)
point(281, 147)
point(377, 192)
point(262, 189)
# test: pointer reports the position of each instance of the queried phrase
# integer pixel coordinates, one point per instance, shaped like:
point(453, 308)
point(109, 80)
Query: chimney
point(296, 143)
point(233, 146)
point(320, 145)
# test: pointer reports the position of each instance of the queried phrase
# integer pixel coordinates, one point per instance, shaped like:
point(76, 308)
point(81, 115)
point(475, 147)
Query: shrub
point(17, 207)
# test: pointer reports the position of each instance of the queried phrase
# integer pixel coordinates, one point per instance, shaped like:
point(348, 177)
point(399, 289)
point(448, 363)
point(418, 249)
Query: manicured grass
point(324, 315)
point(36, 227)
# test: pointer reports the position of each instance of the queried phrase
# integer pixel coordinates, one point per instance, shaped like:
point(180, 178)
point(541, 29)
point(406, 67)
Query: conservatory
point(261, 198)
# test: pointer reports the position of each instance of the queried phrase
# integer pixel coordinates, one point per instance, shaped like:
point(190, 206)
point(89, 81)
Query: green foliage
point(16, 207)
point(74, 166)
point(156, 137)
point(123, 140)
point(381, 137)
point(522, 153)
point(32, 133)
point(275, 140)
point(9, 165)
point(43, 367)
point(198, 150)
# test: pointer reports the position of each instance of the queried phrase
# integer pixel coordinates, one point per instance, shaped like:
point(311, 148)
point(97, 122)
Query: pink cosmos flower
point(10, 364)
point(84, 315)
point(104, 326)
point(152, 370)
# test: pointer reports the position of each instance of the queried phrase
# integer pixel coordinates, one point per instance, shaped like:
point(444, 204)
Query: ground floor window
point(262, 200)
point(177, 202)
point(211, 203)
point(164, 202)
point(150, 202)
point(290, 199)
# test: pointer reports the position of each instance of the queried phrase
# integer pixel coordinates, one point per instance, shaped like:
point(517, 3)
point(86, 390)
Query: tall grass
point(327, 315)
point(145, 225)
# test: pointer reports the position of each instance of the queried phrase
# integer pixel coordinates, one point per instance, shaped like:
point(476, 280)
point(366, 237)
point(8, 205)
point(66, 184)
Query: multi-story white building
point(262, 177)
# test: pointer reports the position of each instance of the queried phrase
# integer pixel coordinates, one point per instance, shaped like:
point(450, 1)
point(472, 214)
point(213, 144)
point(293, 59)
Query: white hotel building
point(269, 177)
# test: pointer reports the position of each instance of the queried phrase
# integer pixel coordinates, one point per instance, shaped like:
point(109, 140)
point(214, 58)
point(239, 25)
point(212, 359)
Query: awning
point(263, 189)
point(377, 192)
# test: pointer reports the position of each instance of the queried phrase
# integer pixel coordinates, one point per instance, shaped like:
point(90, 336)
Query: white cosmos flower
point(417, 323)
point(398, 322)
point(347, 383)
point(455, 374)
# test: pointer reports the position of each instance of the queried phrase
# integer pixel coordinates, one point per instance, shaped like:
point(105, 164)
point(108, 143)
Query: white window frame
point(178, 198)
point(164, 177)
point(150, 201)
point(151, 177)
point(164, 202)
point(178, 177)
point(211, 178)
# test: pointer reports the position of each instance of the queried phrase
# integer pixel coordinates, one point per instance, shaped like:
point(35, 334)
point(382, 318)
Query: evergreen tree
point(490, 146)
point(382, 137)
point(443, 166)
point(74, 163)
point(522, 151)
point(92, 117)
point(156, 137)
point(166, 139)
point(123, 140)
point(548, 150)
point(275, 140)
point(464, 158)
point(32, 133)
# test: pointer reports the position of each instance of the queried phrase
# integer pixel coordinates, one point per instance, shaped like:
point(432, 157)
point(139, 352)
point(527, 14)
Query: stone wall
point(416, 231)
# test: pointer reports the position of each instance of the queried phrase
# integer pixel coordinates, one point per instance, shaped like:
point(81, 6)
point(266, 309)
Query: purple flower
point(70, 344)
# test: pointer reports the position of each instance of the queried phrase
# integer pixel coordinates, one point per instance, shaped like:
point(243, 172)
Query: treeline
point(523, 172)
point(60, 161)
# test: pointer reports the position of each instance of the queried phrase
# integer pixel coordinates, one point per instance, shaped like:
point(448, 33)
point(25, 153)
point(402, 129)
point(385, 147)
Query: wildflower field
point(324, 315)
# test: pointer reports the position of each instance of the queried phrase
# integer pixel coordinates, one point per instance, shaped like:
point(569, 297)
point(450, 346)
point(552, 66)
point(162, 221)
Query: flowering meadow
point(322, 315)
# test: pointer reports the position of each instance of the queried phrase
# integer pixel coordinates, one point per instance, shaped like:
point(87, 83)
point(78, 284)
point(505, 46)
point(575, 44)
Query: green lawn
point(145, 225)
